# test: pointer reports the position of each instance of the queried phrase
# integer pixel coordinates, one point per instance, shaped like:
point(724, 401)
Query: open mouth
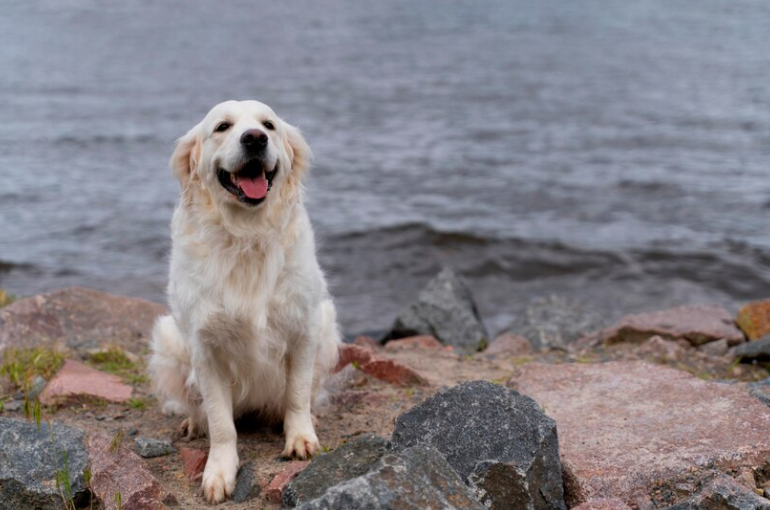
point(250, 184)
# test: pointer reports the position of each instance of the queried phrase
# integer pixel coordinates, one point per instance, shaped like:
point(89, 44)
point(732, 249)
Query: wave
point(419, 249)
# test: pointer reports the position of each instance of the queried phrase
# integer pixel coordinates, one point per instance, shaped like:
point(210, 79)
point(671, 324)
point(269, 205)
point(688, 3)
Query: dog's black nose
point(254, 138)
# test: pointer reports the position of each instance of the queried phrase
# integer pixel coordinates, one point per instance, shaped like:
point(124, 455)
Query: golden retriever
point(252, 326)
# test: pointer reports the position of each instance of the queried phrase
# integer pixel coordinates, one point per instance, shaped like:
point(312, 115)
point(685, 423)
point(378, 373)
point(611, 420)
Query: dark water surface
point(617, 152)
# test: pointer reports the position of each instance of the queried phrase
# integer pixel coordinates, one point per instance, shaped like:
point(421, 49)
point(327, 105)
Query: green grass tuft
point(115, 361)
point(138, 403)
point(21, 366)
point(6, 298)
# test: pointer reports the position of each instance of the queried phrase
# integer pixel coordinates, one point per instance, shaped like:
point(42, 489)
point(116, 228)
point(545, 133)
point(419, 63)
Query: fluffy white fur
point(252, 326)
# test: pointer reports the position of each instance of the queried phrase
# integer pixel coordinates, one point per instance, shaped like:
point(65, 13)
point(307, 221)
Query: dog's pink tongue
point(254, 188)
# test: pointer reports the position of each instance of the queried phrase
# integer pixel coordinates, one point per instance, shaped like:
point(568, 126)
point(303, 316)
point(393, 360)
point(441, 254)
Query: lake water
point(614, 152)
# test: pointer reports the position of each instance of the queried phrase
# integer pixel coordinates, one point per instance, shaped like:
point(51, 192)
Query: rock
point(510, 344)
point(31, 459)
point(716, 349)
point(367, 342)
point(698, 324)
point(444, 309)
point(756, 350)
point(497, 440)
point(414, 342)
point(76, 380)
point(148, 447)
point(13, 406)
point(662, 350)
point(761, 390)
point(78, 318)
point(754, 319)
point(554, 322)
point(603, 504)
point(38, 384)
point(246, 486)
point(120, 471)
point(194, 462)
point(393, 372)
point(625, 428)
point(350, 460)
point(723, 493)
point(274, 491)
point(378, 367)
point(418, 478)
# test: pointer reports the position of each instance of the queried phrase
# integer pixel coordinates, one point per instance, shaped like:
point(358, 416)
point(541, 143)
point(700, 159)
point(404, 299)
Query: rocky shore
point(667, 409)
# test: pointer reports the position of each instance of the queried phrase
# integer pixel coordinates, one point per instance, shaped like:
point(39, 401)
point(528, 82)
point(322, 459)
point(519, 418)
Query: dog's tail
point(170, 367)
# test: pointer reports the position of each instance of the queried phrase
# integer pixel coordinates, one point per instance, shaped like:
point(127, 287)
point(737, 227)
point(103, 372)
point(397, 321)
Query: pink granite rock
point(120, 471)
point(698, 324)
point(627, 428)
point(414, 342)
point(275, 489)
point(76, 380)
point(194, 462)
point(603, 504)
point(78, 318)
point(378, 366)
point(510, 344)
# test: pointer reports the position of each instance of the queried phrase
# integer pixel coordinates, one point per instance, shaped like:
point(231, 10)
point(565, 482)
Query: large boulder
point(78, 318)
point(353, 459)
point(31, 461)
point(555, 322)
point(444, 309)
point(629, 429)
point(500, 442)
point(697, 324)
point(414, 479)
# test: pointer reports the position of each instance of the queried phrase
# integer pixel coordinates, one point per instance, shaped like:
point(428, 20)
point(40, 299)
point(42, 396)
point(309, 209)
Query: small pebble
point(133, 432)
point(148, 447)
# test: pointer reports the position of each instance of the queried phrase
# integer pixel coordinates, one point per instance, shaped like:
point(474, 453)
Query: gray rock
point(723, 493)
point(148, 447)
point(38, 384)
point(716, 349)
point(554, 322)
point(446, 310)
point(246, 487)
point(31, 460)
point(761, 390)
point(500, 442)
point(13, 406)
point(756, 350)
point(353, 459)
point(415, 479)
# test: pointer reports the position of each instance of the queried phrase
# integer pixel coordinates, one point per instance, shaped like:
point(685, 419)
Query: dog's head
point(241, 154)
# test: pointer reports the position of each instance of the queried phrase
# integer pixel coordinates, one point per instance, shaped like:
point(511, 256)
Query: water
point(616, 152)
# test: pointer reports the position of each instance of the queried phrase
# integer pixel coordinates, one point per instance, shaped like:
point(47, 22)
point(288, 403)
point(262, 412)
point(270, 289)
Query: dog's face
point(240, 154)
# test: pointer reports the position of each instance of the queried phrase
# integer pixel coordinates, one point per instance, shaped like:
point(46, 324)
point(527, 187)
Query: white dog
point(252, 326)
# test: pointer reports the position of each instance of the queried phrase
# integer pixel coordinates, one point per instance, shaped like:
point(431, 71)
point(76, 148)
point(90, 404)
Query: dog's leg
point(301, 439)
point(222, 465)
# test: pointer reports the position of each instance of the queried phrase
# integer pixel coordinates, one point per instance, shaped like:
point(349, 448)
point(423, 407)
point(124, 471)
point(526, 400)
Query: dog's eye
point(222, 127)
point(269, 125)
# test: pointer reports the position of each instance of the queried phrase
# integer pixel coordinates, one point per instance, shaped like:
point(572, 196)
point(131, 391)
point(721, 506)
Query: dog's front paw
point(301, 440)
point(219, 476)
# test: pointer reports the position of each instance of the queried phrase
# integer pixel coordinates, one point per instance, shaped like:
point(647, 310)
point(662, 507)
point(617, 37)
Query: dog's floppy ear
point(186, 156)
point(298, 151)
